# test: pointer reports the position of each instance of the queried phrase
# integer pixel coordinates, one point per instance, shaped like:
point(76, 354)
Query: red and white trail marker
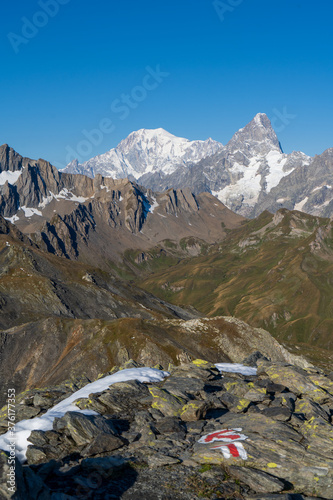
point(231, 439)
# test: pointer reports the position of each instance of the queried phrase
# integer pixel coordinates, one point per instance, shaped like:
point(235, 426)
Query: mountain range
point(249, 174)
point(103, 276)
point(182, 247)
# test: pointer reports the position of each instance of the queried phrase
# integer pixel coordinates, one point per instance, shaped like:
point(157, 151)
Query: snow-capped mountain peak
point(145, 151)
point(241, 174)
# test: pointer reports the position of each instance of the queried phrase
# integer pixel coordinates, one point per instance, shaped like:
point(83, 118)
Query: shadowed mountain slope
point(275, 272)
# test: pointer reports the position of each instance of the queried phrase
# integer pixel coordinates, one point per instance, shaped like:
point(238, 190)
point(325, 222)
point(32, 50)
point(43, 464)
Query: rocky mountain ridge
point(74, 216)
point(249, 174)
point(58, 348)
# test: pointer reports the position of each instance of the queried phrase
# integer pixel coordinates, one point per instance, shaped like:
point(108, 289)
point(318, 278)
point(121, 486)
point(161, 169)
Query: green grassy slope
point(275, 272)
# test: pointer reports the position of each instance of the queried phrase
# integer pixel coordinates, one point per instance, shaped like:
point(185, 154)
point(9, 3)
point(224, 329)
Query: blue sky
point(70, 74)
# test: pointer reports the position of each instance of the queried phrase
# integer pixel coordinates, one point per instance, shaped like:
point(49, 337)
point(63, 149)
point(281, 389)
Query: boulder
point(234, 403)
point(310, 409)
point(169, 405)
point(103, 443)
point(83, 428)
point(170, 426)
point(198, 368)
point(194, 410)
point(184, 387)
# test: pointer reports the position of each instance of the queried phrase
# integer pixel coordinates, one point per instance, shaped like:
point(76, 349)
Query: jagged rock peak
point(9, 159)
point(259, 130)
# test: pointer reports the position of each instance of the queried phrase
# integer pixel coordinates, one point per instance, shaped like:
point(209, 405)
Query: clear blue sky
point(61, 78)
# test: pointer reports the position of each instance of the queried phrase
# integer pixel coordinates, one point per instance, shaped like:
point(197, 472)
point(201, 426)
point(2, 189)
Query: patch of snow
point(45, 422)
point(280, 200)
point(64, 194)
point(324, 204)
point(236, 368)
point(153, 206)
point(46, 200)
point(248, 186)
point(300, 205)
point(79, 199)
point(67, 195)
point(12, 219)
point(257, 119)
point(11, 177)
point(29, 212)
point(321, 187)
point(276, 162)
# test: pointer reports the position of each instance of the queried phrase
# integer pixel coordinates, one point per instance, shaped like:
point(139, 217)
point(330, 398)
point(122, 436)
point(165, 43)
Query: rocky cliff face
point(308, 188)
point(75, 216)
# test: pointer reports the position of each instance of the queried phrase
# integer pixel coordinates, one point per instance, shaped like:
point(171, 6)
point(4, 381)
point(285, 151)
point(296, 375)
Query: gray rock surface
point(132, 453)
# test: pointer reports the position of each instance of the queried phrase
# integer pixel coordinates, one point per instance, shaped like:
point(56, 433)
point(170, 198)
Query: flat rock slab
point(160, 460)
point(257, 480)
point(103, 443)
point(297, 380)
point(184, 387)
point(276, 448)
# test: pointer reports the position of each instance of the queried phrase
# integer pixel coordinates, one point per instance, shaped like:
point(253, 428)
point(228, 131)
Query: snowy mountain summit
point(146, 151)
point(241, 174)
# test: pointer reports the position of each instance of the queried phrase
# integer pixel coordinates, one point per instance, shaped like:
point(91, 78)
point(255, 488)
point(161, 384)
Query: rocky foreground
point(199, 434)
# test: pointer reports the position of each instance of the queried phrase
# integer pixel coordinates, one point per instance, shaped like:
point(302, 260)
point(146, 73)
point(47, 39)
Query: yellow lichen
point(200, 362)
point(243, 403)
